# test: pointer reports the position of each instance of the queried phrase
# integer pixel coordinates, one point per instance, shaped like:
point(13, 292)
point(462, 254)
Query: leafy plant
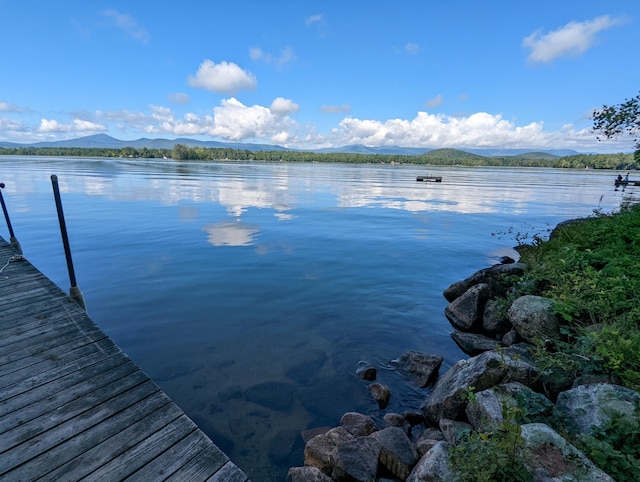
point(591, 269)
point(496, 456)
point(615, 447)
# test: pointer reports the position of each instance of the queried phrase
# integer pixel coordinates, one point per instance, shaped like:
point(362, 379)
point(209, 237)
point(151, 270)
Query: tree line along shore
point(436, 157)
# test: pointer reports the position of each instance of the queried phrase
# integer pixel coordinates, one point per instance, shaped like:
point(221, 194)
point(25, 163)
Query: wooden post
point(74, 291)
point(14, 242)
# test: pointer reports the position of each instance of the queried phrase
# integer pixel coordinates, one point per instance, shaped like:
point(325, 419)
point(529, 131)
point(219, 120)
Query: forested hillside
point(438, 157)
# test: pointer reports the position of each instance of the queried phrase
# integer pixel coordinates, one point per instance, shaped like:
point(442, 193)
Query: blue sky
point(312, 74)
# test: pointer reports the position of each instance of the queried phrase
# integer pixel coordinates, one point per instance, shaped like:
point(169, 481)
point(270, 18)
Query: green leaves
point(591, 270)
point(497, 456)
point(623, 118)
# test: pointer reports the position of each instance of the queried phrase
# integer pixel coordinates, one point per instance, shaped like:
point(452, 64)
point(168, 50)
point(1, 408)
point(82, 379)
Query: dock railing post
point(12, 237)
point(74, 291)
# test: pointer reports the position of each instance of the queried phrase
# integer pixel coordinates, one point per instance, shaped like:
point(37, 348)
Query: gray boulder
point(365, 371)
point(487, 410)
point(495, 276)
point(433, 466)
point(306, 474)
point(356, 460)
point(454, 431)
point(397, 420)
point(533, 318)
point(554, 459)
point(421, 368)
point(381, 394)
point(474, 343)
point(465, 312)
point(483, 371)
point(320, 450)
point(358, 424)
point(397, 454)
point(581, 409)
point(494, 320)
point(511, 338)
point(428, 439)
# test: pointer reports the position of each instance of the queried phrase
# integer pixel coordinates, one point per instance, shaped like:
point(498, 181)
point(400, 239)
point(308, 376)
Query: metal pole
point(14, 242)
point(74, 291)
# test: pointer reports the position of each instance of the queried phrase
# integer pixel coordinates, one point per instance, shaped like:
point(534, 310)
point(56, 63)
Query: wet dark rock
point(506, 260)
point(380, 393)
point(421, 368)
point(365, 371)
point(273, 395)
point(534, 318)
point(358, 424)
point(320, 450)
point(495, 276)
point(427, 439)
point(494, 321)
point(312, 432)
point(307, 474)
point(413, 418)
point(465, 312)
point(398, 421)
point(511, 338)
point(397, 453)
point(474, 343)
point(356, 460)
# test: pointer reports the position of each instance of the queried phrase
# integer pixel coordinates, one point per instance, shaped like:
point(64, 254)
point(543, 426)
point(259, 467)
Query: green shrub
point(615, 447)
point(591, 269)
point(498, 456)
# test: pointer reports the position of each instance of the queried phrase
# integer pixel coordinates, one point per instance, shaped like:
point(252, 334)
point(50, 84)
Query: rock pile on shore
point(474, 395)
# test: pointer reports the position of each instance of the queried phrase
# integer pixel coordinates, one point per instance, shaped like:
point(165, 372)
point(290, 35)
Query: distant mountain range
point(106, 141)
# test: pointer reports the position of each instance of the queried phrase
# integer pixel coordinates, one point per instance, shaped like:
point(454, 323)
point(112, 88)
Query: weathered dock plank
point(73, 406)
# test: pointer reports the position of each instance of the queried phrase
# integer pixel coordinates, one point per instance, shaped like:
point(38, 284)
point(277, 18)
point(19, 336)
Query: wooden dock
point(73, 406)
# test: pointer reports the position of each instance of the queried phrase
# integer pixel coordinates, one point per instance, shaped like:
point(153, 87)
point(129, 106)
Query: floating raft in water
point(626, 183)
point(429, 178)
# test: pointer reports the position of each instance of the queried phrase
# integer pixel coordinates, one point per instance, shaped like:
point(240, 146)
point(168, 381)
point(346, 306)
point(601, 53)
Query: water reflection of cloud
point(284, 188)
point(187, 214)
point(231, 233)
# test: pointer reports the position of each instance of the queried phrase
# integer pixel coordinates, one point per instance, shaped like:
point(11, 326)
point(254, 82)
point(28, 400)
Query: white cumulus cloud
point(282, 106)
point(233, 120)
point(573, 39)
point(78, 125)
point(426, 130)
point(224, 78)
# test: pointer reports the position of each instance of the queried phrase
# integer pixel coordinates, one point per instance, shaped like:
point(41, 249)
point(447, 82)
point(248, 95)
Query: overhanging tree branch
point(621, 119)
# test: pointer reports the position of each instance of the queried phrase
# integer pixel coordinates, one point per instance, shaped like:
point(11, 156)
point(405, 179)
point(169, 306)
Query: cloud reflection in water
point(231, 233)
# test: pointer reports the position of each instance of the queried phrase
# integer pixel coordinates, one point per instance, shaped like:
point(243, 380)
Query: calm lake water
point(249, 292)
